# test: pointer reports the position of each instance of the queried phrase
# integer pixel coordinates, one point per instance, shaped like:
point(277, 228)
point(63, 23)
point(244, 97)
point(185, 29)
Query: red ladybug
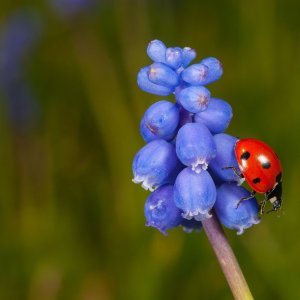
point(261, 168)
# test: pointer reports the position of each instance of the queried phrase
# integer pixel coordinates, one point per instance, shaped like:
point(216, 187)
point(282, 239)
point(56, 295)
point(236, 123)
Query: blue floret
point(231, 216)
point(155, 164)
point(207, 71)
point(216, 117)
point(160, 210)
point(174, 57)
point(161, 74)
point(160, 121)
point(189, 55)
point(157, 51)
point(194, 194)
point(194, 98)
point(195, 146)
point(146, 85)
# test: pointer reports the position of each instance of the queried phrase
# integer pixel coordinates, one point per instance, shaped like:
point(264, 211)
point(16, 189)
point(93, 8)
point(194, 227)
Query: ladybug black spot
point(266, 165)
point(245, 155)
point(256, 180)
point(278, 177)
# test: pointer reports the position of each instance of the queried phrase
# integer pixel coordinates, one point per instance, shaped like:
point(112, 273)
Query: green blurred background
point(71, 220)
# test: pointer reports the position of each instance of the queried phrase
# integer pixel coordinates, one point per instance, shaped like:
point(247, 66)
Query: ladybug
point(261, 168)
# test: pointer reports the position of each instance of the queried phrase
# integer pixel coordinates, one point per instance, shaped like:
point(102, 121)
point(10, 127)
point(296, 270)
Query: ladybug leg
point(235, 171)
point(262, 207)
point(245, 199)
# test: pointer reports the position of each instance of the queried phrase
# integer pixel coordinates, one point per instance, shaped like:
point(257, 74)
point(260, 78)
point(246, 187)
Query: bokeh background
point(71, 220)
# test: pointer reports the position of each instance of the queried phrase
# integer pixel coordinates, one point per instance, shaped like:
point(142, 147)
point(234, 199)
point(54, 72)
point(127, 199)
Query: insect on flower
point(260, 166)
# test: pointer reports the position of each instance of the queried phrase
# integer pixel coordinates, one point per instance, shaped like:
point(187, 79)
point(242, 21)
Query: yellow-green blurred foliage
point(71, 220)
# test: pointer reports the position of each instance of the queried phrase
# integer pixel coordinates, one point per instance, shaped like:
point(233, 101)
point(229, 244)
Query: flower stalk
point(227, 259)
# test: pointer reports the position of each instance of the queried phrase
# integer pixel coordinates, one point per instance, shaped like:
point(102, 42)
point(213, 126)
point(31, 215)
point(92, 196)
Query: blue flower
point(160, 121)
point(231, 216)
point(189, 55)
point(194, 194)
point(146, 85)
point(174, 57)
point(195, 74)
point(161, 74)
point(155, 164)
point(157, 51)
point(195, 146)
point(71, 8)
point(18, 37)
point(194, 98)
point(225, 158)
point(160, 210)
point(216, 117)
point(215, 69)
point(206, 72)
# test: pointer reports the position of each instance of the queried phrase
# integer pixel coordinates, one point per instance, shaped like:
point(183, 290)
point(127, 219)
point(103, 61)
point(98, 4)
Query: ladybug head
point(276, 204)
point(275, 196)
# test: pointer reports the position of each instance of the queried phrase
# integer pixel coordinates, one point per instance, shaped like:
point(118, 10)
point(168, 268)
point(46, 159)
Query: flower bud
point(206, 72)
point(215, 69)
point(146, 85)
point(160, 210)
point(160, 121)
point(194, 98)
point(216, 117)
point(188, 55)
point(195, 146)
point(161, 74)
point(231, 216)
point(195, 74)
point(194, 194)
point(157, 51)
point(174, 57)
point(155, 164)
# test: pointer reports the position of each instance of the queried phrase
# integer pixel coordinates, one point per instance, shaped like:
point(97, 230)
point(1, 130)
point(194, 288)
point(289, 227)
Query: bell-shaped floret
point(232, 213)
point(194, 194)
point(195, 146)
point(155, 164)
point(161, 211)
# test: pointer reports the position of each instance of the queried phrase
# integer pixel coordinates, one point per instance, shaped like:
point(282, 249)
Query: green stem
point(227, 259)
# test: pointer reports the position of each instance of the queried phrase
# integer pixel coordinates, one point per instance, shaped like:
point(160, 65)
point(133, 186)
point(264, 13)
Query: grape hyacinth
point(18, 38)
point(184, 163)
point(72, 8)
